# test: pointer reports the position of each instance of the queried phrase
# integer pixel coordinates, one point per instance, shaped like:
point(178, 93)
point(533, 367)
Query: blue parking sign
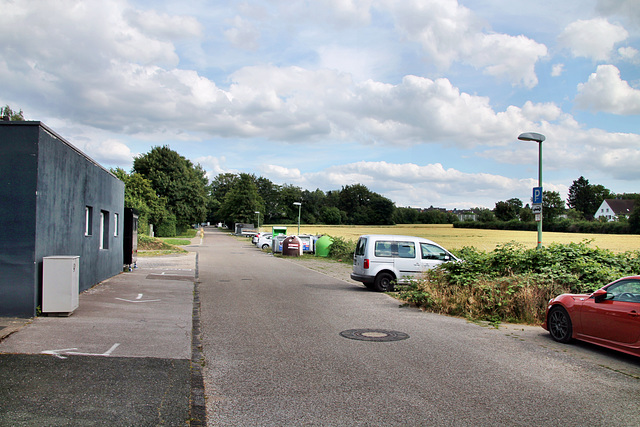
point(537, 195)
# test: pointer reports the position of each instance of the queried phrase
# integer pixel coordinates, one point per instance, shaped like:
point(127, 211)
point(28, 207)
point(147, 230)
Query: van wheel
point(384, 282)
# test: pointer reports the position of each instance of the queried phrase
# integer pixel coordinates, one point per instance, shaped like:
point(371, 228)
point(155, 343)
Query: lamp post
point(258, 215)
point(537, 137)
point(299, 205)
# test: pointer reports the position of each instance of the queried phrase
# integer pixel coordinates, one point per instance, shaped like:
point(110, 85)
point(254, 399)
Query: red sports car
point(609, 317)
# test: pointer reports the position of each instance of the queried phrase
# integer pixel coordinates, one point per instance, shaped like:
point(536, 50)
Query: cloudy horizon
point(420, 101)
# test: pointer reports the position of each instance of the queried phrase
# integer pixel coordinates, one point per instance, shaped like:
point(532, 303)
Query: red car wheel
point(559, 324)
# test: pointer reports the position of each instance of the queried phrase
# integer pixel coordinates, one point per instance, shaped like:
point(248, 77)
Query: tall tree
point(175, 178)
point(14, 116)
point(600, 193)
point(585, 198)
point(140, 195)
point(241, 202)
point(552, 205)
point(509, 210)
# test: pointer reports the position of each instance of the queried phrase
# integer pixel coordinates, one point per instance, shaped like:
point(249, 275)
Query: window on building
point(88, 220)
point(104, 230)
point(116, 224)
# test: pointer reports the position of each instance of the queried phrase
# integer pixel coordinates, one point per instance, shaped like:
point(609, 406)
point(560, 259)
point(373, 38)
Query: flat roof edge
point(56, 136)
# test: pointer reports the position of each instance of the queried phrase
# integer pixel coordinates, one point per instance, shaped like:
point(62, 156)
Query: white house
point(612, 209)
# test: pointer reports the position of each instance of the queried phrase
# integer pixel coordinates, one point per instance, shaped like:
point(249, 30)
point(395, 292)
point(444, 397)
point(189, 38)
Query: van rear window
point(362, 244)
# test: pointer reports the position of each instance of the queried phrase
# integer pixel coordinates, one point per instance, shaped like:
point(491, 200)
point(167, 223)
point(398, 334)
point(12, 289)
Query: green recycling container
point(322, 246)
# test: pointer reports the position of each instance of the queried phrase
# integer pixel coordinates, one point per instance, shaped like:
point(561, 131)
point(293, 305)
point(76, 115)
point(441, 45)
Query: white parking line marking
point(138, 299)
point(58, 353)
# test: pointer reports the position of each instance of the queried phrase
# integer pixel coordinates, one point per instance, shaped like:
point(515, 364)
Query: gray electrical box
point(60, 284)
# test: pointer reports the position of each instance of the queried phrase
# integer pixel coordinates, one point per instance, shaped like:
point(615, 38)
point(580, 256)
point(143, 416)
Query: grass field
point(456, 238)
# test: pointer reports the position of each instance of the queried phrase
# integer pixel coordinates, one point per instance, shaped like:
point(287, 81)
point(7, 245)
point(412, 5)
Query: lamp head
point(531, 136)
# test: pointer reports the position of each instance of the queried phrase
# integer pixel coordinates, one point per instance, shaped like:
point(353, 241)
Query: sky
point(422, 101)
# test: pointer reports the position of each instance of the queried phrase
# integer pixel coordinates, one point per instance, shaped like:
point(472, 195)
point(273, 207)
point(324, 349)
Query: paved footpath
point(122, 358)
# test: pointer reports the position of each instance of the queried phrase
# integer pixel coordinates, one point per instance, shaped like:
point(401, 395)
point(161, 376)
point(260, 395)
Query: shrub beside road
point(514, 284)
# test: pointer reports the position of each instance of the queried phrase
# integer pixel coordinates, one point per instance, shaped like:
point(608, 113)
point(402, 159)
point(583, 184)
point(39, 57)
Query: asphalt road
point(274, 353)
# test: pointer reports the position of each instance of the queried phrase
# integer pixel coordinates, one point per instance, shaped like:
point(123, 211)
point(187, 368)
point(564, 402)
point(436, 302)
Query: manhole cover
point(374, 335)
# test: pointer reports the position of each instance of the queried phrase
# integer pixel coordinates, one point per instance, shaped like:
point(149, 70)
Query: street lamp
point(536, 137)
point(299, 205)
point(258, 215)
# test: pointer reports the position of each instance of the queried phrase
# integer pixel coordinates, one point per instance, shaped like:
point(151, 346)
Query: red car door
point(616, 318)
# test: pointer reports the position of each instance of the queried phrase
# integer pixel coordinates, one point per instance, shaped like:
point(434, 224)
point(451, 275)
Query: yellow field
point(456, 238)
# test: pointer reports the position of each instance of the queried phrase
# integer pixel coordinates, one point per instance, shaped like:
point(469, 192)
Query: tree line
point(577, 215)
point(172, 193)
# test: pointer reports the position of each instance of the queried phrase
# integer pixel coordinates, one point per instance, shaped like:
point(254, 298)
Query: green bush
point(342, 249)
point(514, 284)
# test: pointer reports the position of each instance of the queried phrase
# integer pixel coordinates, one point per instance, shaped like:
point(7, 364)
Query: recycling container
point(276, 243)
point(292, 246)
point(323, 244)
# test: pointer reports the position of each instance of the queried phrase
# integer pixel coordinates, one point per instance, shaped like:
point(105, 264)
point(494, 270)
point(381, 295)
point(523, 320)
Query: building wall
point(18, 166)
point(66, 182)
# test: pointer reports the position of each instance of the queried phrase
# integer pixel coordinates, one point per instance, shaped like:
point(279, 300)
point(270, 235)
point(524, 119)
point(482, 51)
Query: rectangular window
point(88, 220)
point(406, 250)
point(116, 224)
point(383, 248)
point(104, 230)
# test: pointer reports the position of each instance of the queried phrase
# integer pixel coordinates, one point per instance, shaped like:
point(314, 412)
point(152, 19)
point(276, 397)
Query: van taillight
point(366, 264)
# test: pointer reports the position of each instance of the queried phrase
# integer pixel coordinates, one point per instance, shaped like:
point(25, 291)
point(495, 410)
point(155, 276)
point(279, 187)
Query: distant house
point(54, 200)
point(465, 215)
point(612, 209)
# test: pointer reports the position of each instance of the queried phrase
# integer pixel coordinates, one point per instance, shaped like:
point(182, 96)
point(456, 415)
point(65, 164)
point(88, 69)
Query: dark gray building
point(54, 200)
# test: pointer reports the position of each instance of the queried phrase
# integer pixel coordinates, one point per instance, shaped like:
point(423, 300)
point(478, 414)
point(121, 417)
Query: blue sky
point(421, 101)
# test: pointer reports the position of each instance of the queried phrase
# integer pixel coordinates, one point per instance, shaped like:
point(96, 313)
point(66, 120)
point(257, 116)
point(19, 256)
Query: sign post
point(537, 195)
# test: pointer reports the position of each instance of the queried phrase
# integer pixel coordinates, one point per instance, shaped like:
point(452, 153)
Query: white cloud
point(110, 151)
point(628, 53)
point(282, 174)
point(606, 91)
point(449, 32)
point(213, 165)
point(593, 39)
point(539, 112)
point(557, 70)
point(360, 63)
point(163, 25)
point(243, 34)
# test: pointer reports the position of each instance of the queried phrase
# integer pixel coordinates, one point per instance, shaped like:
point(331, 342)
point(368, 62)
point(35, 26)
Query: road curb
point(198, 410)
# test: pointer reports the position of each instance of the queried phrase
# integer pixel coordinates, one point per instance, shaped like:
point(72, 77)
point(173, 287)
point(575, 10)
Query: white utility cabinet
point(60, 284)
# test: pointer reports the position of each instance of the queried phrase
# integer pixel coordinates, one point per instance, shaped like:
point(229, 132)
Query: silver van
point(380, 260)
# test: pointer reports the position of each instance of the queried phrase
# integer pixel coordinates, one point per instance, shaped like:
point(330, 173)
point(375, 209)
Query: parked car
point(264, 242)
point(257, 236)
point(609, 317)
point(381, 260)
